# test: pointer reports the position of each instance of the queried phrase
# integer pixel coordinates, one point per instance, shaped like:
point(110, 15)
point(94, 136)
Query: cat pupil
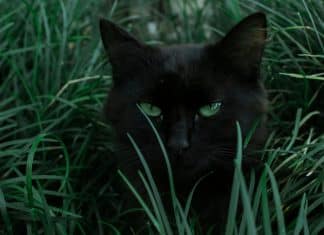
point(215, 106)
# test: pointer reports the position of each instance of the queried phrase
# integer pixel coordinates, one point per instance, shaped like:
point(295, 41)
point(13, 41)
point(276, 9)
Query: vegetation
point(56, 153)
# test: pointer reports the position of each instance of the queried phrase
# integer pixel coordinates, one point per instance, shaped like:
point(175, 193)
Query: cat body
point(194, 95)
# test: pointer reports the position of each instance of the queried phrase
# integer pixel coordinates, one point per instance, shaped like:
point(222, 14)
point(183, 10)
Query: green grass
point(56, 153)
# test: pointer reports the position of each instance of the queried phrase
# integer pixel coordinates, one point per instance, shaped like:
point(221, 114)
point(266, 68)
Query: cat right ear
point(122, 48)
point(114, 37)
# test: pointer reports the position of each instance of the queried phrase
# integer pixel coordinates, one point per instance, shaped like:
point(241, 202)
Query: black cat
point(194, 94)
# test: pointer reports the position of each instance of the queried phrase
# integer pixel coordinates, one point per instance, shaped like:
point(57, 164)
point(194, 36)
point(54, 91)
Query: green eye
point(150, 110)
point(210, 109)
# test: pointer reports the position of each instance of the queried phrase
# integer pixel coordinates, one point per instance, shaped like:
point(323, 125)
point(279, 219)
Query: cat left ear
point(243, 46)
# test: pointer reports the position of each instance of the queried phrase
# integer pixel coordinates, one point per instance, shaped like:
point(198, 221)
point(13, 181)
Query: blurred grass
point(56, 153)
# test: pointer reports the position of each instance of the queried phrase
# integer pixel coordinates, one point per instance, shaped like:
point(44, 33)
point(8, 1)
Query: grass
point(56, 153)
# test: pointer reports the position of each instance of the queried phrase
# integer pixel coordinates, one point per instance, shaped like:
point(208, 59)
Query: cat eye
point(150, 110)
point(210, 110)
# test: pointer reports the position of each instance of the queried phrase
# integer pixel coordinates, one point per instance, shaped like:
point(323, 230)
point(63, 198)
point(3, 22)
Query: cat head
point(194, 94)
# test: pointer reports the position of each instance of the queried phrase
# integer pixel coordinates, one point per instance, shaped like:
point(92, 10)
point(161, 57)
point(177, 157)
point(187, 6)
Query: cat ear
point(114, 37)
point(125, 52)
point(243, 46)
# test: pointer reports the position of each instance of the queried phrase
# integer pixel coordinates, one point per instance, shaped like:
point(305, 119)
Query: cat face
point(194, 94)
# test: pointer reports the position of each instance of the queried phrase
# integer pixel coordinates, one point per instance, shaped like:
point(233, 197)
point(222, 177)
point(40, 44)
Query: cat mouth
point(189, 162)
point(181, 160)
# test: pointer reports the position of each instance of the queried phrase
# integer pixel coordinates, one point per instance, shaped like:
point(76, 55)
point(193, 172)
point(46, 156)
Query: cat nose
point(179, 135)
point(178, 145)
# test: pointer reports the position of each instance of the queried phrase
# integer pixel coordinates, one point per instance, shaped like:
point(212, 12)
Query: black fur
point(179, 79)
